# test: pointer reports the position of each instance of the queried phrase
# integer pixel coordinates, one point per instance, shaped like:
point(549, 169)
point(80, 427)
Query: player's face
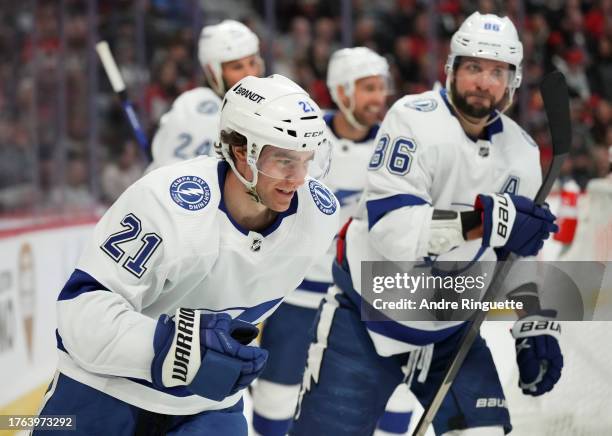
point(281, 173)
point(234, 71)
point(479, 85)
point(370, 94)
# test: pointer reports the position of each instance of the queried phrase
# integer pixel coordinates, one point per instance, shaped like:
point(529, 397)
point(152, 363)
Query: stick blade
point(556, 104)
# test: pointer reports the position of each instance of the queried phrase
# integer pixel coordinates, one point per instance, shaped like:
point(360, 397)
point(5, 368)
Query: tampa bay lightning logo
point(190, 192)
point(423, 104)
point(208, 107)
point(323, 198)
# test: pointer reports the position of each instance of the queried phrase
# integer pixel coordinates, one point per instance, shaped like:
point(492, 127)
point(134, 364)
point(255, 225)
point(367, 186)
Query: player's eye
point(498, 73)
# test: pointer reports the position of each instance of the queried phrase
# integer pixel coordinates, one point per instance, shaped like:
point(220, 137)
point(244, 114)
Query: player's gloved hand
point(206, 352)
point(515, 223)
point(538, 354)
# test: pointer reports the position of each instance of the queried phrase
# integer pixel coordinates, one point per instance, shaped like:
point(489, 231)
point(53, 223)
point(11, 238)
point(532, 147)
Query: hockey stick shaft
point(118, 85)
point(556, 105)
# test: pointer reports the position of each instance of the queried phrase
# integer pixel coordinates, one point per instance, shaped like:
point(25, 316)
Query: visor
point(283, 164)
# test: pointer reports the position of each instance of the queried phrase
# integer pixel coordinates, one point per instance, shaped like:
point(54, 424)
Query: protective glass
point(283, 164)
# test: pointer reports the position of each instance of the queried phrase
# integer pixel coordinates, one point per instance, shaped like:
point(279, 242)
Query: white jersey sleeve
point(189, 129)
point(398, 197)
point(132, 259)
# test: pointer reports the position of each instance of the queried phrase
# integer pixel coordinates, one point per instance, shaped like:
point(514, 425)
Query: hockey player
point(357, 79)
point(436, 152)
point(228, 52)
point(155, 322)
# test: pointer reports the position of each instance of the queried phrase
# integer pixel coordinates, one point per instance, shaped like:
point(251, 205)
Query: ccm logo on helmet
point(253, 96)
point(313, 134)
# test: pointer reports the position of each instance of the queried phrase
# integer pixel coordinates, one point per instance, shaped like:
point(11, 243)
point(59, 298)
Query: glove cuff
point(498, 218)
point(536, 325)
point(183, 358)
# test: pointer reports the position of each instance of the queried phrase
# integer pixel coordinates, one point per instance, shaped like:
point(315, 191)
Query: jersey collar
point(329, 120)
point(222, 168)
point(495, 127)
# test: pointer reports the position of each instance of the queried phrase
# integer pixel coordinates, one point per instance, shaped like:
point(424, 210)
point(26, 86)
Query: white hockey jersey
point(169, 242)
point(189, 129)
point(423, 161)
point(346, 178)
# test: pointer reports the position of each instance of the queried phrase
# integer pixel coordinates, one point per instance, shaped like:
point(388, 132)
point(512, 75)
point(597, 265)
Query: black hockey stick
point(556, 105)
point(114, 76)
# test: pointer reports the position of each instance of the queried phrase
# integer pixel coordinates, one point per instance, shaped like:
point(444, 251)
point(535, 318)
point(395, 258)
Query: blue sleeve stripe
point(395, 422)
point(378, 208)
point(60, 343)
point(345, 194)
point(389, 328)
point(176, 391)
point(79, 283)
point(254, 313)
point(270, 426)
point(402, 333)
point(312, 286)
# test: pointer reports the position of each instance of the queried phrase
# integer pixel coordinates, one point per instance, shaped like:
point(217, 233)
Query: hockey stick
point(114, 76)
point(556, 105)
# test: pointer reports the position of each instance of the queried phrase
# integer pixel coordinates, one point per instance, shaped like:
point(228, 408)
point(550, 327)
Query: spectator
point(121, 172)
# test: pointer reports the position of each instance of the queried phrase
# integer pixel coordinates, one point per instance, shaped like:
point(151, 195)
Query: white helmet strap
point(349, 112)
point(214, 75)
point(250, 185)
point(215, 79)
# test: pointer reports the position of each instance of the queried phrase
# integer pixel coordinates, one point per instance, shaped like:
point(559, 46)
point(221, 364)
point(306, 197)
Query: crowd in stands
point(63, 139)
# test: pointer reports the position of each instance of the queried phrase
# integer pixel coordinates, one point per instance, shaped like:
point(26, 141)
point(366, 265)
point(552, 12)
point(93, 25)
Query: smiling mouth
point(285, 191)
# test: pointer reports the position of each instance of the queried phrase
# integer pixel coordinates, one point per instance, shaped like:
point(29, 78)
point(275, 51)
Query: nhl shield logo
point(483, 151)
point(256, 245)
point(422, 105)
point(190, 192)
point(323, 198)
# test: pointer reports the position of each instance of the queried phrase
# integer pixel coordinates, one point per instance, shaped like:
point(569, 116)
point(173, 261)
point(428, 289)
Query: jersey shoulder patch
point(197, 101)
point(422, 104)
point(323, 198)
point(425, 102)
point(192, 193)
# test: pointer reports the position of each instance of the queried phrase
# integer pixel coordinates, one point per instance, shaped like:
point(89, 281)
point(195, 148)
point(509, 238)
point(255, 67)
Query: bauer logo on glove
point(514, 223)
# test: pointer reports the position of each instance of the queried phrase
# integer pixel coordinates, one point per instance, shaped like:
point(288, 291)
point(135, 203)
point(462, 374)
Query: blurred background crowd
point(64, 143)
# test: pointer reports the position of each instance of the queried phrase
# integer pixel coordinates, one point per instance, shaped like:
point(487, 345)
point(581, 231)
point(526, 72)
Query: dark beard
point(460, 102)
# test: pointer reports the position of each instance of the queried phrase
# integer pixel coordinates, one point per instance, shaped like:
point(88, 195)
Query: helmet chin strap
point(498, 113)
point(249, 185)
point(348, 114)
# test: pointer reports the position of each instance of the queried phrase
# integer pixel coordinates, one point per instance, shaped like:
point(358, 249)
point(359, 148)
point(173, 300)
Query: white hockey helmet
point(227, 41)
point(274, 111)
point(488, 36)
point(348, 65)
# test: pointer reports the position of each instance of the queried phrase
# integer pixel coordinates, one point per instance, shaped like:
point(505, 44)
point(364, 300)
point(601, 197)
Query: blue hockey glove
point(515, 223)
point(206, 352)
point(538, 354)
